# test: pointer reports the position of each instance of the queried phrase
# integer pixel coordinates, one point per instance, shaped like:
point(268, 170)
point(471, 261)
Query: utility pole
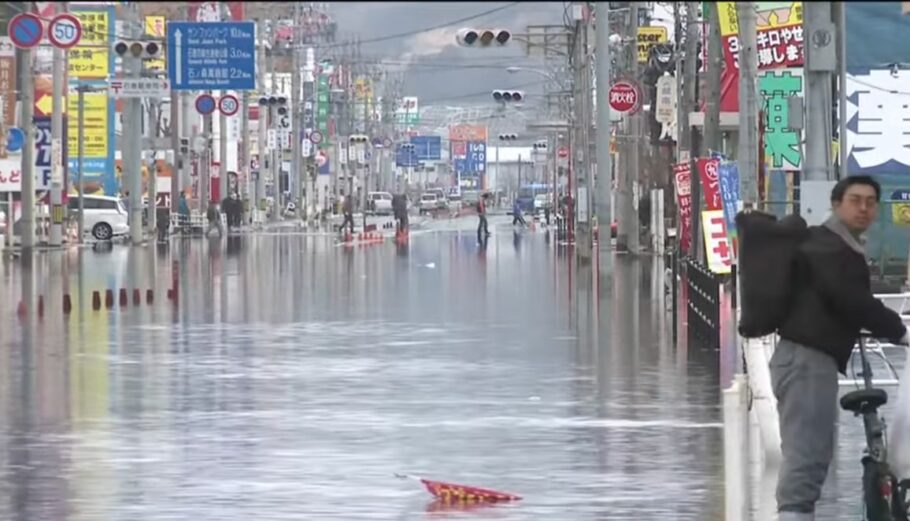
point(274, 161)
point(627, 222)
point(604, 161)
point(81, 159)
point(581, 159)
point(205, 174)
point(687, 104)
point(26, 114)
point(712, 96)
point(296, 178)
point(747, 155)
point(821, 63)
point(243, 162)
point(57, 144)
point(222, 156)
point(263, 123)
point(132, 157)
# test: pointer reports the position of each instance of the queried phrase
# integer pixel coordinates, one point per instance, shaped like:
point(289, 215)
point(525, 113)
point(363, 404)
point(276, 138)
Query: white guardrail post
point(736, 452)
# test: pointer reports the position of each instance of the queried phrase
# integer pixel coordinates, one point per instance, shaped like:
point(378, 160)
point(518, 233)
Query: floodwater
point(294, 378)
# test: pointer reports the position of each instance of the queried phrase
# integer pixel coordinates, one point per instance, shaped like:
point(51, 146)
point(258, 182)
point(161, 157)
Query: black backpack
point(767, 251)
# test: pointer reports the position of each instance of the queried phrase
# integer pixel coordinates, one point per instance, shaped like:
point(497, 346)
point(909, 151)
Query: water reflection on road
point(295, 377)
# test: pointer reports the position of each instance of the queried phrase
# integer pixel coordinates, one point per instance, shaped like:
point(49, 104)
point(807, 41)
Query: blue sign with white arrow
point(429, 148)
point(211, 55)
point(406, 156)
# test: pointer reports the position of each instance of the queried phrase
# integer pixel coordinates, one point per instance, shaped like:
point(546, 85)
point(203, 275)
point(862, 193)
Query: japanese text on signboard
point(682, 180)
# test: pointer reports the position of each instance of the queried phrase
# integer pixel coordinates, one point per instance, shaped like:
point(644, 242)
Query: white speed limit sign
point(228, 105)
point(64, 31)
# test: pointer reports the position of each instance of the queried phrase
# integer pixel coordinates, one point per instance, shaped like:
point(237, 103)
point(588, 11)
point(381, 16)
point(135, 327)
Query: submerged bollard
point(149, 296)
point(67, 304)
point(109, 298)
point(137, 297)
point(124, 298)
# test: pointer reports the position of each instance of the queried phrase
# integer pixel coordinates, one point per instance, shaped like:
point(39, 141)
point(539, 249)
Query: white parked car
point(428, 203)
point(105, 217)
point(380, 203)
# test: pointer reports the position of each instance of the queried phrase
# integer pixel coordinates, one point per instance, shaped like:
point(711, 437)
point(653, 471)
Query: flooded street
point(295, 378)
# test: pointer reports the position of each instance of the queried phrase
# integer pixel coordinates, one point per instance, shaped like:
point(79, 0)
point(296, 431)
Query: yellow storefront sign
point(649, 37)
point(91, 58)
point(769, 15)
point(154, 26)
point(96, 119)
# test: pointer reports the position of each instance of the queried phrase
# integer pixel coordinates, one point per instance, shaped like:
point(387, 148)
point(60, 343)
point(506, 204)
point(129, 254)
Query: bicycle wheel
point(877, 491)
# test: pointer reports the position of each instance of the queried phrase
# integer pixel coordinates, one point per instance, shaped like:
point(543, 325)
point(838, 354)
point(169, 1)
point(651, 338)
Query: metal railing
point(703, 302)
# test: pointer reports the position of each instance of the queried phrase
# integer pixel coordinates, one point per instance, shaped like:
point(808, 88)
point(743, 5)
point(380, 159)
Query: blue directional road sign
point(211, 55)
point(406, 156)
point(429, 148)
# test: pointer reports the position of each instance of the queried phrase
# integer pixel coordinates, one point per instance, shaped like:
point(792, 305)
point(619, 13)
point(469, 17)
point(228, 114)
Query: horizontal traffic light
point(137, 49)
point(540, 145)
point(358, 138)
point(470, 37)
point(508, 137)
point(506, 96)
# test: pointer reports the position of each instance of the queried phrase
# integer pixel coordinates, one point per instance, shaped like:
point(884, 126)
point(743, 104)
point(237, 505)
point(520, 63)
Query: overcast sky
point(437, 72)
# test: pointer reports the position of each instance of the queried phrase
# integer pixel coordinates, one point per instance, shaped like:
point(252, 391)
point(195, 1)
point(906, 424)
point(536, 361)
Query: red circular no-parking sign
point(624, 96)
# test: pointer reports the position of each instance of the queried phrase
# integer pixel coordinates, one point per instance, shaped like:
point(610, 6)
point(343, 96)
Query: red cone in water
point(454, 492)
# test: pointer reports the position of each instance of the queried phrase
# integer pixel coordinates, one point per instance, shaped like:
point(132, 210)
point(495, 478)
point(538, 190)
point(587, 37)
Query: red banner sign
point(778, 47)
point(683, 180)
point(707, 171)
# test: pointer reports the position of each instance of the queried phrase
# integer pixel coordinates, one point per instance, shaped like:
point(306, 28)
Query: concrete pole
point(244, 159)
point(132, 161)
point(27, 232)
point(688, 104)
point(839, 9)
point(296, 179)
point(57, 144)
point(580, 148)
point(819, 68)
point(81, 160)
point(153, 171)
point(712, 96)
point(274, 154)
point(627, 224)
point(604, 161)
point(747, 155)
point(205, 174)
point(259, 195)
point(222, 155)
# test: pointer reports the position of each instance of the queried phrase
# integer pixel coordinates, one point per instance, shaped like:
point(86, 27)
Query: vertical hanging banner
point(717, 245)
point(728, 179)
point(707, 172)
point(682, 179)
point(781, 144)
point(322, 110)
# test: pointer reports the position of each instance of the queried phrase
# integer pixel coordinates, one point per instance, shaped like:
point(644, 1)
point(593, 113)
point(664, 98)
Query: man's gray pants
point(805, 384)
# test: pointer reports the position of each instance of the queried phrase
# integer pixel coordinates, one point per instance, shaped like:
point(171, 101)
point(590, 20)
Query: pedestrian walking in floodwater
point(483, 230)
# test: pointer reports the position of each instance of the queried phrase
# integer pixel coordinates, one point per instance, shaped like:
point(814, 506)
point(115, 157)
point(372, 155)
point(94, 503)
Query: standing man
point(830, 303)
point(400, 209)
point(483, 230)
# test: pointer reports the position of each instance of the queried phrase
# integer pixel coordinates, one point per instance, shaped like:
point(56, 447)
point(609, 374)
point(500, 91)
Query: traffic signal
point(482, 37)
point(540, 146)
point(508, 137)
point(358, 139)
point(279, 102)
point(508, 96)
point(142, 49)
point(184, 145)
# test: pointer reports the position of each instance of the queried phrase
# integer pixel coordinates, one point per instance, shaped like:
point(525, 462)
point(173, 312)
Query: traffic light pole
point(57, 144)
point(603, 209)
point(132, 161)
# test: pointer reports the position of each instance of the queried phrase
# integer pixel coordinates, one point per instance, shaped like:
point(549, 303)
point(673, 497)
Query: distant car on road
point(542, 202)
point(105, 217)
point(429, 202)
point(380, 203)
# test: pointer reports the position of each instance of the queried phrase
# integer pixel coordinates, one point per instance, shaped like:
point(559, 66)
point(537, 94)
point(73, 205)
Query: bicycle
point(884, 498)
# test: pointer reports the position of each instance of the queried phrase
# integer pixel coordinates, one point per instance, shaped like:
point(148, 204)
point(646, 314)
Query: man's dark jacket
point(832, 299)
